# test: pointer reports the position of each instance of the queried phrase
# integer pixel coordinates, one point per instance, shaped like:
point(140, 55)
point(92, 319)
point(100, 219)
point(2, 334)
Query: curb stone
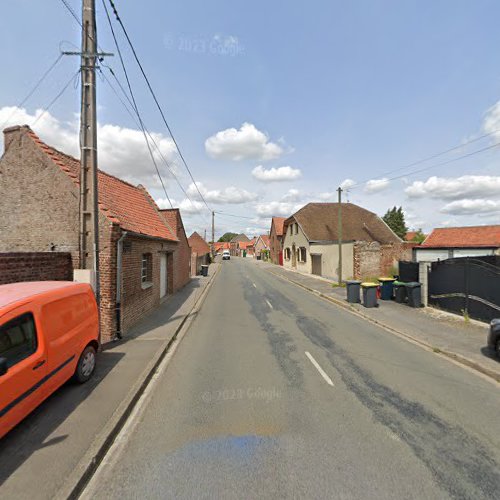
point(83, 472)
point(458, 358)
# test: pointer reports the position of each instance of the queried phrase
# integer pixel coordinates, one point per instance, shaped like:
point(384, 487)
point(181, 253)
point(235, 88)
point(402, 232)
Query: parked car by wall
point(49, 333)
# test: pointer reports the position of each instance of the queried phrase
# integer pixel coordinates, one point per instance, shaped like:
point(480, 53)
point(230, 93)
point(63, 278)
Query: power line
point(33, 90)
point(423, 160)
point(141, 123)
point(233, 215)
point(72, 12)
point(57, 97)
point(137, 119)
point(156, 101)
point(134, 118)
point(446, 162)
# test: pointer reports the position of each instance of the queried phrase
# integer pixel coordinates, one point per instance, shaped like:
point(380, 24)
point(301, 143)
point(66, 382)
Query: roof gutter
point(119, 260)
point(157, 238)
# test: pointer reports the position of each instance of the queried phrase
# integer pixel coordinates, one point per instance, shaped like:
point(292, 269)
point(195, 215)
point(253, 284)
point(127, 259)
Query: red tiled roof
point(278, 222)
point(410, 235)
point(198, 244)
point(131, 207)
point(265, 239)
point(464, 237)
point(222, 245)
point(243, 245)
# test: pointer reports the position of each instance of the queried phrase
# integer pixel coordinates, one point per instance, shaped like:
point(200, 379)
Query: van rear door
point(23, 387)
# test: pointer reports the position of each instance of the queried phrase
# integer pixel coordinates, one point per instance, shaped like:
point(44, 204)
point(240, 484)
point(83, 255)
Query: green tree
point(227, 237)
point(395, 219)
point(419, 237)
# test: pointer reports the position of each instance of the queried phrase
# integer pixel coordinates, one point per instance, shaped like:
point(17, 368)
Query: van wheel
point(86, 365)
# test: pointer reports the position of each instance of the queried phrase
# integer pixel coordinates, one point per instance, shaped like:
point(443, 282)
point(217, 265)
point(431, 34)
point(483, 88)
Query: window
point(18, 339)
point(147, 269)
point(291, 229)
point(296, 228)
point(302, 254)
point(287, 254)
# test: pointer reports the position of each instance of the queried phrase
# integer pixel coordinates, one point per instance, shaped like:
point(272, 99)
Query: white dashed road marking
point(328, 380)
point(269, 304)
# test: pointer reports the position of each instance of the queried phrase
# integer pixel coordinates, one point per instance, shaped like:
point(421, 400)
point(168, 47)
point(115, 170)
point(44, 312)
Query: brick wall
point(371, 259)
point(181, 260)
point(39, 201)
point(275, 247)
point(138, 300)
point(35, 266)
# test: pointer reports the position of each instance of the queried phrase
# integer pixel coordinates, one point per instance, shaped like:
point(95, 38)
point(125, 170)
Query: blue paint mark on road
point(238, 450)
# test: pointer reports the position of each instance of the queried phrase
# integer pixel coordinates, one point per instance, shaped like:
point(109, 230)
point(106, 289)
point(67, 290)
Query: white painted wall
point(430, 255)
point(330, 259)
point(329, 255)
point(434, 254)
point(472, 252)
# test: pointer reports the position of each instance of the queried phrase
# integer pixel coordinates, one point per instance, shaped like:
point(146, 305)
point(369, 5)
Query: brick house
point(39, 189)
point(220, 246)
point(182, 257)
point(262, 245)
point(369, 247)
point(276, 240)
point(246, 248)
point(200, 253)
point(234, 244)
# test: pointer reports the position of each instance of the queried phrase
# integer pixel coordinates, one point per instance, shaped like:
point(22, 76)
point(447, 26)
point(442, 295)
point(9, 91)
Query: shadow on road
point(32, 433)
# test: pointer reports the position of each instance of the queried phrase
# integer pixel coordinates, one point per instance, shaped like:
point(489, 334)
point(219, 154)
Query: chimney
point(11, 134)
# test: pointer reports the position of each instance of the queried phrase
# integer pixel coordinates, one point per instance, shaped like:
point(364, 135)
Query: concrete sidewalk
point(446, 334)
point(45, 456)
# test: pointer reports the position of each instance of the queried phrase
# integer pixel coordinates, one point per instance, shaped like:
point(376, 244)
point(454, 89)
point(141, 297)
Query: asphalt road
point(275, 393)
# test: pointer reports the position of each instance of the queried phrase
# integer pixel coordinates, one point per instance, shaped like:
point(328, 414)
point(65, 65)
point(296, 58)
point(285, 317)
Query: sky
point(276, 104)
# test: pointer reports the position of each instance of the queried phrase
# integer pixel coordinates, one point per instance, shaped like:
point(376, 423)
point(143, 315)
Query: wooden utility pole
point(213, 234)
point(339, 230)
point(89, 214)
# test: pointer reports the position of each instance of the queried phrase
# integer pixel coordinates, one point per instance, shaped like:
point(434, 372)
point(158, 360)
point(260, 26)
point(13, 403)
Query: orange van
point(49, 332)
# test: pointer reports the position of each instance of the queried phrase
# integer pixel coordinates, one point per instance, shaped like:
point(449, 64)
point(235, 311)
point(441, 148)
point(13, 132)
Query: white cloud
point(327, 196)
point(491, 122)
point(347, 184)
point(122, 151)
point(247, 143)
point(293, 195)
point(277, 208)
point(376, 185)
point(231, 194)
point(450, 188)
point(254, 231)
point(279, 174)
point(472, 207)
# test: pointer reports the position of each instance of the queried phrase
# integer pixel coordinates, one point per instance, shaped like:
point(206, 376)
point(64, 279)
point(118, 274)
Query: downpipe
point(118, 310)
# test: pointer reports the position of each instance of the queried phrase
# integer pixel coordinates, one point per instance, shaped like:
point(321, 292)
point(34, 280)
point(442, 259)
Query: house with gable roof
point(369, 247)
point(237, 243)
point(200, 253)
point(276, 240)
point(39, 189)
point(262, 245)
